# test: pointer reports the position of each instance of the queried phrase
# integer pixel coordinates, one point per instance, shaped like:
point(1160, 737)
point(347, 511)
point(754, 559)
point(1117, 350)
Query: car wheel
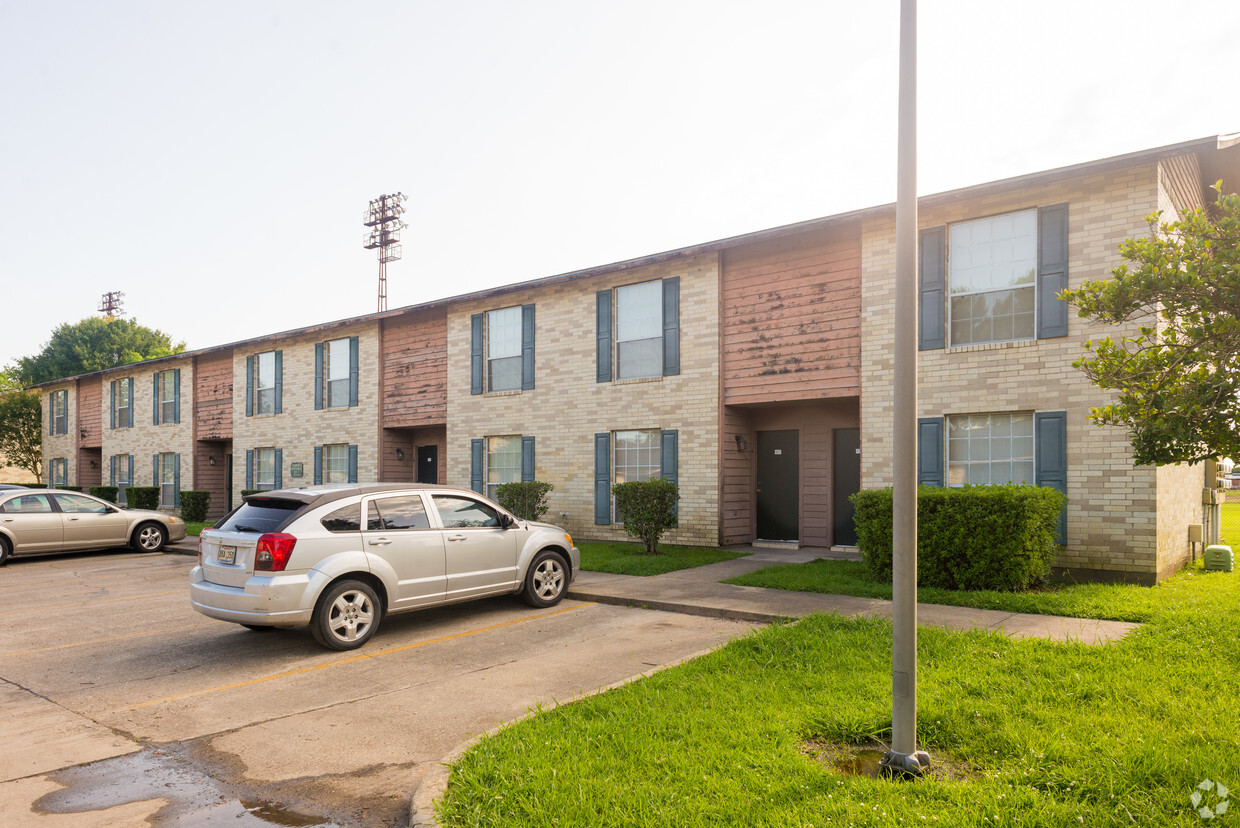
point(5, 550)
point(346, 616)
point(546, 580)
point(150, 537)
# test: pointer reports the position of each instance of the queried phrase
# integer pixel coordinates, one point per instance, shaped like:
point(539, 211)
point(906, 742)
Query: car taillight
point(274, 549)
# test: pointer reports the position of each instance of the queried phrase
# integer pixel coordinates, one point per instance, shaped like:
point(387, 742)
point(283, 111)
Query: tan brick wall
point(1112, 514)
point(567, 406)
point(61, 445)
point(144, 439)
point(299, 427)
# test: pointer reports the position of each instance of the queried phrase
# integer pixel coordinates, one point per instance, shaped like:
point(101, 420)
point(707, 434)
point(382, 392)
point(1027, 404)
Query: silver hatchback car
point(341, 557)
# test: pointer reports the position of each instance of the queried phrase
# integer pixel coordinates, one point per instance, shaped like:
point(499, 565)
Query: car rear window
point(261, 515)
point(347, 519)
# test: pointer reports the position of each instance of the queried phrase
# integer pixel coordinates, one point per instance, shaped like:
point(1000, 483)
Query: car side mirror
point(506, 521)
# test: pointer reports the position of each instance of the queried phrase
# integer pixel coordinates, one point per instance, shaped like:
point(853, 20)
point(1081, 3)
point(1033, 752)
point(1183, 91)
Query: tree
point(648, 509)
point(1178, 379)
point(93, 344)
point(21, 431)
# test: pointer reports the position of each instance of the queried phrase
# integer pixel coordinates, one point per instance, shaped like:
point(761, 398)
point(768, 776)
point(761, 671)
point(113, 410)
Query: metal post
point(904, 759)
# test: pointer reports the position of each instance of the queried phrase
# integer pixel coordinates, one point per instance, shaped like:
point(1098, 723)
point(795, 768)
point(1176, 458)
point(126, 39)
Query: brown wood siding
point(1182, 178)
point(90, 413)
point(394, 470)
point(213, 403)
point(213, 479)
point(791, 318)
point(737, 478)
point(415, 370)
point(88, 475)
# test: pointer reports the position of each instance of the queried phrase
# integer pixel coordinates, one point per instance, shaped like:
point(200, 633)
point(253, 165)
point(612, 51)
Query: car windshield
point(260, 515)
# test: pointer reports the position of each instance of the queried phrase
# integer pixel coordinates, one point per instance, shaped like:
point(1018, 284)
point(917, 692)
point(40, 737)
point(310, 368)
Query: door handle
point(379, 542)
point(74, 518)
point(456, 537)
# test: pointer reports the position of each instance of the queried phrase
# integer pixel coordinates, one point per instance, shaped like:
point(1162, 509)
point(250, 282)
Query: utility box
point(1218, 558)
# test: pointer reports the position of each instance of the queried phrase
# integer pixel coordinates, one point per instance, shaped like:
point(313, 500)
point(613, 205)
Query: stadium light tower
point(110, 304)
point(383, 219)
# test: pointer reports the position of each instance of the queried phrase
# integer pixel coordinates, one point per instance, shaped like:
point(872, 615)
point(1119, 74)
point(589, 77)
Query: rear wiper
point(241, 528)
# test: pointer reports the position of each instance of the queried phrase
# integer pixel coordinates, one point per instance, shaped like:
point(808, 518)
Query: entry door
point(428, 464)
point(845, 482)
point(779, 485)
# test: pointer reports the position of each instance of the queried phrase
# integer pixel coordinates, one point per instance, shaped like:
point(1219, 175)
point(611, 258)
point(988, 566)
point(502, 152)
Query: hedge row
point(975, 537)
point(527, 499)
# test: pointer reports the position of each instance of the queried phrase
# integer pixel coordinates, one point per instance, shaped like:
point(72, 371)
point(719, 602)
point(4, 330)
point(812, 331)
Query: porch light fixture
point(741, 442)
point(400, 454)
point(211, 459)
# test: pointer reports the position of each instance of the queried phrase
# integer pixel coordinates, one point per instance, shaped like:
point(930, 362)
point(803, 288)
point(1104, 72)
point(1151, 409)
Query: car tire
point(149, 537)
point(346, 616)
point(6, 549)
point(546, 580)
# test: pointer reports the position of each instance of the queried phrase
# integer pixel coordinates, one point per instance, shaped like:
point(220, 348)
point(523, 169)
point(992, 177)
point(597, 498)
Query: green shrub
point(526, 500)
point(194, 505)
point(69, 488)
point(976, 537)
point(142, 497)
point(107, 493)
point(245, 492)
point(647, 508)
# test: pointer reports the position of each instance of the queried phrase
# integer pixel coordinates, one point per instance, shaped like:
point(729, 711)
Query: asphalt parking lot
point(122, 705)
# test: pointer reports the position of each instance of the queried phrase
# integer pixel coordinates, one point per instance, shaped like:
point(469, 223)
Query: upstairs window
point(58, 402)
point(167, 407)
point(335, 373)
point(992, 274)
point(265, 383)
point(504, 349)
point(121, 393)
point(638, 331)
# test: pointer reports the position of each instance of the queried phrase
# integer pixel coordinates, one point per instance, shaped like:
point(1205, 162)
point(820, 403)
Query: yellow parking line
point(94, 602)
point(106, 640)
point(359, 657)
point(61, 581)
point(129, 556)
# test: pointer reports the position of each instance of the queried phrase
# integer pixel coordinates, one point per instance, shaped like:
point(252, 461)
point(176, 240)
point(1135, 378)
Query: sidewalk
point(698, 592)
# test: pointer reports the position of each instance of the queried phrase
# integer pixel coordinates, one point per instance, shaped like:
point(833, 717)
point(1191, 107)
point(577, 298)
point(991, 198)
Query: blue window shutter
point(527, 347)
point(155, 470)
point(671, 326)
point(112, 405)
point(932, 290)
point(475, 466)
point(279, 453)
point(249, 390)
point(352, 463)
point(930, 451)
point(176, 395)
point(155, 399)
point(318, 465)
point(51, 414)
point(318, 376)
point(249, 469)
point(602, 336)
point(112, 470)
point(1052, 271)
point(527, 459)
point(1050, 443)
point(279, 383)
point(668, 455)
point(602, 478)
point(352, 370)
point(130, 467)
point(176, 481)
point(475, 353)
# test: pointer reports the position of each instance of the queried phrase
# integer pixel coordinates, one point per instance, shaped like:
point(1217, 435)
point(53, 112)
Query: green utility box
point(1218, 558)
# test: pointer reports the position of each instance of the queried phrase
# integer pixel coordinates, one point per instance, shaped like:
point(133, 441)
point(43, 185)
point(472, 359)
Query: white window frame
point(167, 402)
point(124, 387)
point(503, 337)
point(268, 357)
point(122, 462)
point(336, 469)
point(501, 448)
point(655, 448)
point(269, 465)
point(639, 321)
point(1001, 444)
point(60, 412)
point(167, 479)
point(976, 261)
point(59, 472)
point(336, 386)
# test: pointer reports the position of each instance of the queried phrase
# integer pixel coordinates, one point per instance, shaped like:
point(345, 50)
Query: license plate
point(226, 554)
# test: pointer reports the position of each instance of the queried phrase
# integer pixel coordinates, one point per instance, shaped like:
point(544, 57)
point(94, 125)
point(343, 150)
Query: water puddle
point(861, 763)
point(193, 798)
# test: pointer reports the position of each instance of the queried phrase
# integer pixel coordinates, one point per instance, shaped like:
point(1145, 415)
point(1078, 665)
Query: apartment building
point(756, 371)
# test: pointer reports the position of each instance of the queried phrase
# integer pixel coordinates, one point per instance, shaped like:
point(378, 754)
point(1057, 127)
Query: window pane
point(999, 449)
point(346, 519)
point(637, 456)
point(504, 333)
point(338, 393)
point(460, 513)
point(504, 374)
point(80, 505)
point(503, 462)
point(404, 512)
point(639, 311)
point(336, 463)
point(336, 357)
point(639, 358)
point(987, 259)
point(264, 468)
point(27, 504)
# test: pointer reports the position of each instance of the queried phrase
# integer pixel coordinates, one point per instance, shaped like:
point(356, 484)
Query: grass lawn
point(1231, 524)
point(631, 559)
point(1051, 734)
point(193, 527)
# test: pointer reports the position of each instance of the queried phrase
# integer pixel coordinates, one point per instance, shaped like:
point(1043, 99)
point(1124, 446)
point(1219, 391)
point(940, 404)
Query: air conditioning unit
point(1218, 558)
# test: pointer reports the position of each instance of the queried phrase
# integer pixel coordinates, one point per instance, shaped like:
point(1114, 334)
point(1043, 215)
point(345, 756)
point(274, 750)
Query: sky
point(213, 160)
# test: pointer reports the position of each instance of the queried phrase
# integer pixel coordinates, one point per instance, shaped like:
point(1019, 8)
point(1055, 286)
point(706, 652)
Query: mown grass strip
point(631, 559)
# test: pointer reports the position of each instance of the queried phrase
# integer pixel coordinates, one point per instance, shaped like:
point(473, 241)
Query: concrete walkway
point(698, 592)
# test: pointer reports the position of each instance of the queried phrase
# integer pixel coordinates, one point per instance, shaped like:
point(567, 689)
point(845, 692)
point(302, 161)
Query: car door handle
point(379, 542)
point(73, 518)
point(456, 537)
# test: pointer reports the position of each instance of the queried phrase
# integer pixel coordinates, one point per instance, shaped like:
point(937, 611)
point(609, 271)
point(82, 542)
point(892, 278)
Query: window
point(504, 349)
point(58, 403)
point(77, 504)
point(627, 456)
point(167, 397)
point(403, 512)
point(637, 456)
point(27, 504)
point(335, 373)
point(168, 473)
point(990, 448)
point(58, 472)
point(461, 513)
point(646, 331)
point(503, 462)
point(264, 383)
point(264, 469)
point(122, 402)
point(992, 272)
point(121, 475)
point(501, 350)
point(336, 463)
point(345, 519)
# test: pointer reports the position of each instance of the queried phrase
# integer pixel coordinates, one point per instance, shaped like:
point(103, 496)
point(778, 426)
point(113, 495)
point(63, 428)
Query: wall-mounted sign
point(296, 470)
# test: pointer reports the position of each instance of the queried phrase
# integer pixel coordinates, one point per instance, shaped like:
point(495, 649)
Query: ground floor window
point(264, 468)
point(122, 476)
point(167, 482)
point(336, 463)
point(990, 448)
point(58, 472)
point(503, 462)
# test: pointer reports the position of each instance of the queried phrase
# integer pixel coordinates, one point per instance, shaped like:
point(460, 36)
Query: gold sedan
point(43, 520)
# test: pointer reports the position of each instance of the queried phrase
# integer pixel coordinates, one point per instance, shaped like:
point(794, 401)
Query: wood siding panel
point(209, 478)
point(791, 319)
point(415, 370)
point(213, 403)
point(408, 440)
point(90, 413)
point(1182, 178)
